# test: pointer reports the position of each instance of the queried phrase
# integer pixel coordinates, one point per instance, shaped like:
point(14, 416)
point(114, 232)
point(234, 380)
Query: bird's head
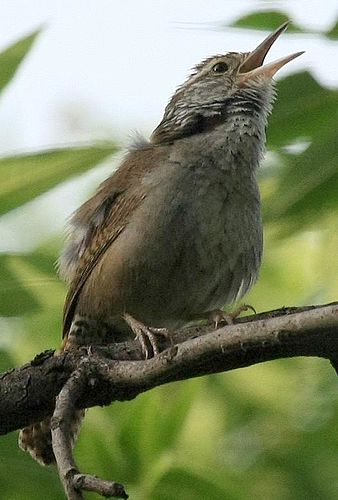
point(217, 84)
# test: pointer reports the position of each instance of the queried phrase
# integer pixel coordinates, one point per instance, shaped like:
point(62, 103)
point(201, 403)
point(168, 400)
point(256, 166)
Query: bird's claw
point(218, 316)
point(146, 335)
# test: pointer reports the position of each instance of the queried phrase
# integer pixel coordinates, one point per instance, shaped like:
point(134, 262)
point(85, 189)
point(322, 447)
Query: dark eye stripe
point(220, 67)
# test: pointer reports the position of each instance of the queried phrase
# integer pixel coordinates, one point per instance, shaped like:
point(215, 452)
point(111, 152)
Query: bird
point(175, 233)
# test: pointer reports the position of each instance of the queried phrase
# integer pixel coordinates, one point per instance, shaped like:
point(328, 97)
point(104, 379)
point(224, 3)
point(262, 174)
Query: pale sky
point(103, 68)
point(113, 64)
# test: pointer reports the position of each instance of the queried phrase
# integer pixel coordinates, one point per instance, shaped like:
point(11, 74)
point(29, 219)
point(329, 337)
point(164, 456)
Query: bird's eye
point(220, 67)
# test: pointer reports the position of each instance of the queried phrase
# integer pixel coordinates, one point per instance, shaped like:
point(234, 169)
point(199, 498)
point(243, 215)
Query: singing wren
point(176, 232)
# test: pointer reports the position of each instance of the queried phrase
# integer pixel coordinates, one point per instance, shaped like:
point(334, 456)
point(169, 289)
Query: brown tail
point(36, 439)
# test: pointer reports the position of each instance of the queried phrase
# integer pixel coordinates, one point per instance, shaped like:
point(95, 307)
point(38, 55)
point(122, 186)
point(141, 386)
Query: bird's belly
point(199, 252)
point(197, 261)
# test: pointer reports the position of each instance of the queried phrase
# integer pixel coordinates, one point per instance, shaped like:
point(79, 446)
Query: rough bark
point(97, 375)
point(118, 372)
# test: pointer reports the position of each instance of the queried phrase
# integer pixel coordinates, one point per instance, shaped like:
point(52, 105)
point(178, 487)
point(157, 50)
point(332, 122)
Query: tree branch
point(73, 481)
point(97, 375)
point(117, 372)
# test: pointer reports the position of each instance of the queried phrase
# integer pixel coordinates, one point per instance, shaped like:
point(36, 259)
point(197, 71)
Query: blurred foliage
point(333, 32)
point(11, 58)
point(265, 20)
point(270, 431)
point(24, 177)
point(272, 19)
point(307, 184)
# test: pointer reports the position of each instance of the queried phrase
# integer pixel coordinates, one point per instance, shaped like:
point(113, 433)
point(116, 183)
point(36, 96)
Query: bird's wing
point(106, 215)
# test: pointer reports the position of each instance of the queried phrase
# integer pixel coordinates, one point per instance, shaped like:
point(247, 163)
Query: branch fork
point(73, 481)
point(74, 380)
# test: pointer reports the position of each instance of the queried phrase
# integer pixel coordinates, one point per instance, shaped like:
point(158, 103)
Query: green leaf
point(12, 57)
point(269, 20)
point(333, 32)
point(265, 20)
point(308, 184)
point(24, 280)
point(24, 177)
point(304, 109)
point(16, 298)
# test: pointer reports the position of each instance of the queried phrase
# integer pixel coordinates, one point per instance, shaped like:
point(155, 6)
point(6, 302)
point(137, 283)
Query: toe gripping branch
point(147, 336)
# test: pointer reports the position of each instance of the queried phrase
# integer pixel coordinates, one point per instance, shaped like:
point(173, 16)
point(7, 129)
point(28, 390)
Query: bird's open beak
point(252, 66)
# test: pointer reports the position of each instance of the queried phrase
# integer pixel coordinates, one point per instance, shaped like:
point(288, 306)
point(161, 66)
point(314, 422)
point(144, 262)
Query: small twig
point(104, 488)
point(73, 481)
point(60, 425)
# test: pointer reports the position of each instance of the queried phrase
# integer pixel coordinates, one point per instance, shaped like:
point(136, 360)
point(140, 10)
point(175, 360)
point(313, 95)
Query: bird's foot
point(218, 316)
point(146, 335)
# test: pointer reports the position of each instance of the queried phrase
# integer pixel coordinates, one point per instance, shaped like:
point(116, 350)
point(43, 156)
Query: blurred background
point(77, 79)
